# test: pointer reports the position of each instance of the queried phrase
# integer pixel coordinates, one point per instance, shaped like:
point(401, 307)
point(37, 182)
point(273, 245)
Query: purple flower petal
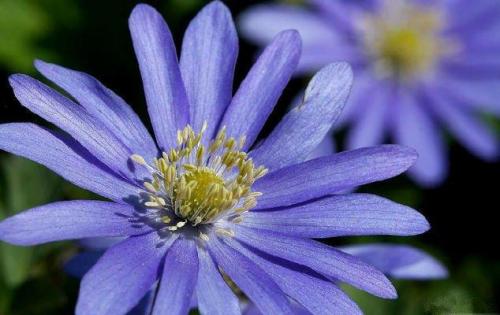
point(327, 175)
point(369, 128)
point(414, 127)
point(165, 93)
point(72, 118)
point(343, 215)
point(399, 261)
point(66, 157)
point(481, 96)
point(326, 147)
point(303, 128)
point(316, 294)
point(262, 22)
point(468, 129)
point(209, 52)
point(178, 280)
point(124, 274)
point(250, 278)
point(102, 103)
point(259, 92)
point(326, 260)
point(69, 220)
point(214, 296)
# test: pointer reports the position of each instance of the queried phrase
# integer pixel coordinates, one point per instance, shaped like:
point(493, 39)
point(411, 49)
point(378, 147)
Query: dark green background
point(92, 36)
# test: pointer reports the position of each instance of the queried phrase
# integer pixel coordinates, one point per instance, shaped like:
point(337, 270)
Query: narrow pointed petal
point(259, 92)
point(415, 128)
point(318, 295)
point(327, 175)
point(467, 127)
point(301, 130)
point(165, 93)
point(208, 59)
point(68, 220)
point(250, 278)
point(102, 103)
point(178, 279)
point(323, 259)
point(399, 261)
point(72, 118)
point(214, 296)
point(261, 23)
point(66, 157)
point(342, 215)
point(124, 274)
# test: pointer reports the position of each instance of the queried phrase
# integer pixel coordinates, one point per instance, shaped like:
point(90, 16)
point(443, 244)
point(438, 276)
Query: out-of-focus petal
point(414, 127)
point(399, 261)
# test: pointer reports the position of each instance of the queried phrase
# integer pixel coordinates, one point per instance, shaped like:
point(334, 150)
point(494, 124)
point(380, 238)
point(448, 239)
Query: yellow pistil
point(200, 183)
point(404, 39)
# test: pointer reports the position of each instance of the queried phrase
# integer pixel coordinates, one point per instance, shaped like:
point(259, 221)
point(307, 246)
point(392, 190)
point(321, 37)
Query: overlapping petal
point(320, 258)
point(72, 118)
point(102, 103)
point(301, 130)
point(66, 157)
point(178, 280)
point(214, 296)
point(250, 278)
point(123, 275)
point(316, 294)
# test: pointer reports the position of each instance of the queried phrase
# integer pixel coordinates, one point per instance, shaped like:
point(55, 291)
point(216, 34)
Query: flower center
point(200, 184)
point(404, 39)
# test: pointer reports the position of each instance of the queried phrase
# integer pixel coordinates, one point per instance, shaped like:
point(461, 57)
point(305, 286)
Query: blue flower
point(202, 204)
point(417, 63)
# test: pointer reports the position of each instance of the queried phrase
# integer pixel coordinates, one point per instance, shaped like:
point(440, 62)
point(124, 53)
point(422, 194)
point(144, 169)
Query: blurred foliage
point(25, 24)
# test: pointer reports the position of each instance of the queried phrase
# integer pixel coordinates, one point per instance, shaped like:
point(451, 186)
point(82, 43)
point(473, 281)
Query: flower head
point(202, 206)
point(416, 63)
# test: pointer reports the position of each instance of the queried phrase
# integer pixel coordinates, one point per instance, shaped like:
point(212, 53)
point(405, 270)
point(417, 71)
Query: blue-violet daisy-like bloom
point(417, 64)
point(202, 205)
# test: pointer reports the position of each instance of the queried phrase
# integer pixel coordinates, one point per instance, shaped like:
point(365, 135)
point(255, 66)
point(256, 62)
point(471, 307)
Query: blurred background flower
point(92, 36)
point(418, 65)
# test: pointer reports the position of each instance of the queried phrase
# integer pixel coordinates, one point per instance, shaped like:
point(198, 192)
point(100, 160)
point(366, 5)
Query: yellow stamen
point(201, 183)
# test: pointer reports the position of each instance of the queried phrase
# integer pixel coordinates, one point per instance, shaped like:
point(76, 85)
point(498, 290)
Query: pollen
point(404, 39)
point(201, 183)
